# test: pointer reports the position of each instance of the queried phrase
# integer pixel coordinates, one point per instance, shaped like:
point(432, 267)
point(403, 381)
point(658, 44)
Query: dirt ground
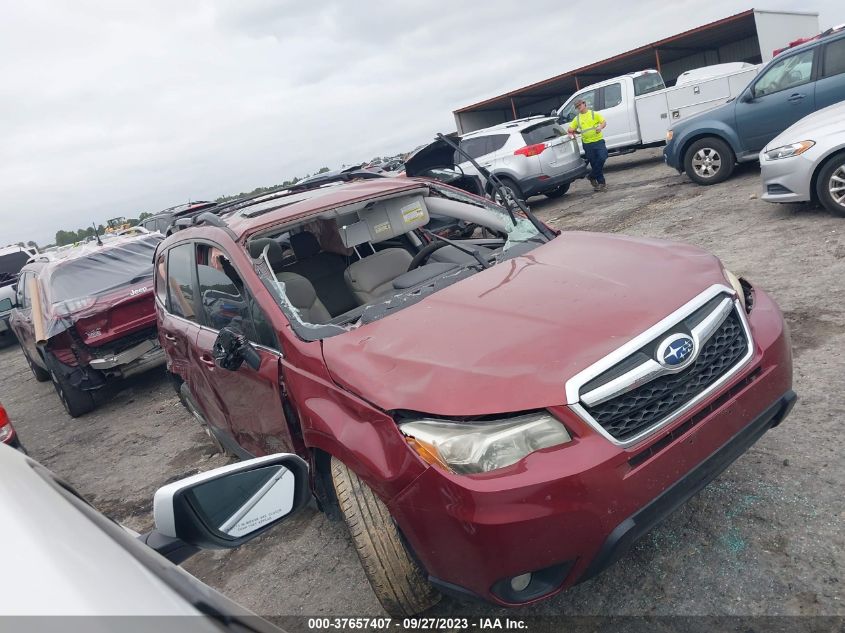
point(766, 537)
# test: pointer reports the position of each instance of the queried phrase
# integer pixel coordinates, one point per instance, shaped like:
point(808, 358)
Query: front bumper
point(671, 157)
point(574, 509)
point(787, 179)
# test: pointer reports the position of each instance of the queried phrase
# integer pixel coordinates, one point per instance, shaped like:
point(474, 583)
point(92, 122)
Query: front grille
point(631, 413)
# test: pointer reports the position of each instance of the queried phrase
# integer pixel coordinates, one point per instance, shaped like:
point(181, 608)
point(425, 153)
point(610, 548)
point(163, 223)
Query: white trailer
point(639, 108)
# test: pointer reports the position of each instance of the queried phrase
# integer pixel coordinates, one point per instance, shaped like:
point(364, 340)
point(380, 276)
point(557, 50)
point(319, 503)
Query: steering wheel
point(422, 257)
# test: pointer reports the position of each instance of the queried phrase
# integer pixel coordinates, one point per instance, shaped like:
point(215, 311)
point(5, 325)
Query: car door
point(782, 94)
point(621, 129)
point(250, 400)
point(20, 320)
point(178, 323)
point(830, 87)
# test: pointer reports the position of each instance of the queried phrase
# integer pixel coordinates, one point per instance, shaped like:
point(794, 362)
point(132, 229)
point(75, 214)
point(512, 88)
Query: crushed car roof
point(291, 204)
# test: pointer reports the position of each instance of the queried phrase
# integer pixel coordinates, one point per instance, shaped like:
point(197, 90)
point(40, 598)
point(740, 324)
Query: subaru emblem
point(676, 352)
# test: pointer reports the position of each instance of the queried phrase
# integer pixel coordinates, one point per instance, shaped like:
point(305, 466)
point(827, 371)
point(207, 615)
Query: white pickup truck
point(639, 108)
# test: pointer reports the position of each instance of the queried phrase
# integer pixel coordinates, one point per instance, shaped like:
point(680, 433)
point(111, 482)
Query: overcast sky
point(112, 108)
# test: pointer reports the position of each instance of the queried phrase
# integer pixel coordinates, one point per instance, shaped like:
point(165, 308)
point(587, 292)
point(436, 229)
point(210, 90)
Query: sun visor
point(383, 220)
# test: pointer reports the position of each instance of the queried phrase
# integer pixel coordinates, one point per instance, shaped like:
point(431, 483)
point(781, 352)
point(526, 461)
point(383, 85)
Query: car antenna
point(97, 234)
point(507, 201)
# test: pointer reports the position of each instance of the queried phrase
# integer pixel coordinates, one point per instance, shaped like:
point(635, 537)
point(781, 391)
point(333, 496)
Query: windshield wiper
point(507, 201)
point(464, 249)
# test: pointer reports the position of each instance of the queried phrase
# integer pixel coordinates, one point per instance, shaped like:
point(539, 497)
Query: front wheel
point(76, 401)
point(397, 580)
point(708, 161)
point(830, 185)
point(558, 192)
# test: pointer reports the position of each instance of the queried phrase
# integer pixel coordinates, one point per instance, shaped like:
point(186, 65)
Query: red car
point(499, 417)
point(7, 431)
point(86, 317)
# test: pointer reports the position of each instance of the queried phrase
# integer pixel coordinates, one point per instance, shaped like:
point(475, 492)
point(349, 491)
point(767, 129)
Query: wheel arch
point(838, 151)
point(702, 134)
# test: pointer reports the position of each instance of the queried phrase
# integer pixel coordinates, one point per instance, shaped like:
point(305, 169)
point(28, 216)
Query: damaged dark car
point(86, 317)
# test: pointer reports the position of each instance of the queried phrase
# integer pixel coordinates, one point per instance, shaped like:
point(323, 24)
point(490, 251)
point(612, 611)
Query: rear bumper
point(536, 185)
point(567, 512)
point(148, 348)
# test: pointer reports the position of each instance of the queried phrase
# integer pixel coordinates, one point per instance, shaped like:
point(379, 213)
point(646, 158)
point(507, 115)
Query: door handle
point(207, 360)
point(169, 337)
point(796, 97)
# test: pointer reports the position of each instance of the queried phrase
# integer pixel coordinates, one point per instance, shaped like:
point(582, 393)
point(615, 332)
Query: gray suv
point(530, 156)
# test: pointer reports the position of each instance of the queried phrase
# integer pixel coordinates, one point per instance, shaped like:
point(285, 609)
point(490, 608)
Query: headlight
point(478, 447)
point(669, 135)
point(786, 151)
point(734, 281)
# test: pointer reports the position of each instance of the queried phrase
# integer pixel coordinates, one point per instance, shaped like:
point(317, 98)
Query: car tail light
point(531, 150)
point(6, 430)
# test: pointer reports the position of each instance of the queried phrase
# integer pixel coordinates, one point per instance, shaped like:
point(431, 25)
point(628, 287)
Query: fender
point(363, 437)
point(708, 127)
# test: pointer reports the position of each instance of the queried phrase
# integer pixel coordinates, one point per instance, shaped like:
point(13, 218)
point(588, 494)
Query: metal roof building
point(750, 36)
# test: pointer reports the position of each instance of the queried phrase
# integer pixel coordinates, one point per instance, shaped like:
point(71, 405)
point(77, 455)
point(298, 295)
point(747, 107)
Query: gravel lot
point(765, 538)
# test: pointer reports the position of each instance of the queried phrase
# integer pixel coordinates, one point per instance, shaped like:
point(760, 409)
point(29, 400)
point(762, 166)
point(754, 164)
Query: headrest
point(304, 244)
point(274, 253)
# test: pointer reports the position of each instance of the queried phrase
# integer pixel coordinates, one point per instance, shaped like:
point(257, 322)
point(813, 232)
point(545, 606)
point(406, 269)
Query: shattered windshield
point(360, 262)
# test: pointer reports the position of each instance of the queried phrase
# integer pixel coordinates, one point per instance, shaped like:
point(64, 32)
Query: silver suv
point(530, 156)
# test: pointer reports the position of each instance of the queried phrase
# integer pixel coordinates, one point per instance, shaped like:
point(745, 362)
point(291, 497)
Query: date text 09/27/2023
point(422, 624)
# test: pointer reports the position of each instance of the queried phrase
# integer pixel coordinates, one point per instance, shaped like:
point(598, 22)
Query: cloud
point(111, 109)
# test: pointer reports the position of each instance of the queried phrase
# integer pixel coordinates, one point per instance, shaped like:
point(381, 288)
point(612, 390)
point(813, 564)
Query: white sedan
point(807, 161)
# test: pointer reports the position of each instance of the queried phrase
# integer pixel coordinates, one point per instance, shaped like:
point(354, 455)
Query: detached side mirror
point(226, 507)
point(231, 349)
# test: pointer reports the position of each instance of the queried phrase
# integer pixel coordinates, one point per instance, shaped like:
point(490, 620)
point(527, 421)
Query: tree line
point(259, 190)
point(80, 235)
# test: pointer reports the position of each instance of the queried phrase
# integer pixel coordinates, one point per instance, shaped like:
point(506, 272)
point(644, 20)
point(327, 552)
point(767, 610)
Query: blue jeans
point(596, 154)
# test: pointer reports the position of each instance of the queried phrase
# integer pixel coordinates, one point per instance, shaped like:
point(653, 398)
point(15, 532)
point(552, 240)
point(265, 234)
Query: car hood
point(436, 154)
point(508, 338)
point(817, 127)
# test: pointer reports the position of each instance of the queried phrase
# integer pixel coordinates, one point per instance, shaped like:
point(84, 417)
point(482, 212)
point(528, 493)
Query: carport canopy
point(732, 39)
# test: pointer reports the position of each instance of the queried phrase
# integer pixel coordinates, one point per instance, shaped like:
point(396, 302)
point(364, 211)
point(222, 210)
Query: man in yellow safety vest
point(590, 124)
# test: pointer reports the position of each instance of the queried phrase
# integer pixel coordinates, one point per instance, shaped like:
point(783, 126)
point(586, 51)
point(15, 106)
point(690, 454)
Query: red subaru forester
point(499, 416)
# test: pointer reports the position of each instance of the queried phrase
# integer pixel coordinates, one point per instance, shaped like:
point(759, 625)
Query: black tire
point(557, 193)
point(41, 374)
point(508, 184)
point(830, 185)
point(76, 401)
point(709, 160)
point(396, 578)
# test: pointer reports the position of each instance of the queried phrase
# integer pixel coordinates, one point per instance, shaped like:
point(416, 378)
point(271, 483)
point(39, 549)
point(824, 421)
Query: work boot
point(594, 183)
point(602, 187)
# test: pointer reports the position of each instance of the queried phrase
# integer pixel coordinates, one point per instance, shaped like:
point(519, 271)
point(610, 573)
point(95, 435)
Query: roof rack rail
point(344, 176)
